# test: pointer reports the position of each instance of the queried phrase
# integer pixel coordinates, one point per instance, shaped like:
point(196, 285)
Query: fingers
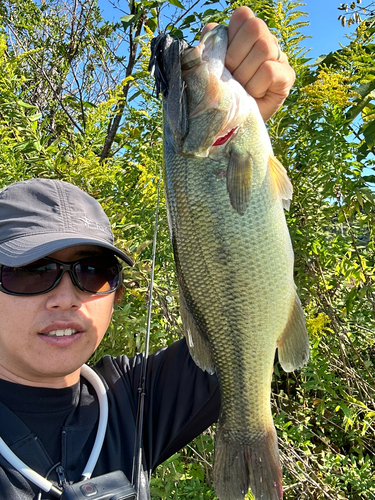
point(270, 85)
point(254, 59)
point(250, 45)
point(245, 66)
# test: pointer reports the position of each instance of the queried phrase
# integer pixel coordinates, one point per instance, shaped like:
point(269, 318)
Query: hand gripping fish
point(225, 194)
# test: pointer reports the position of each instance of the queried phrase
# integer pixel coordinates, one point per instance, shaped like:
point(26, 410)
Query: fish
point(226, 194)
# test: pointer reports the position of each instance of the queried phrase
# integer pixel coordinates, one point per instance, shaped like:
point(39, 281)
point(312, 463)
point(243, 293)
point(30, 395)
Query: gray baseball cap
point(41, 216)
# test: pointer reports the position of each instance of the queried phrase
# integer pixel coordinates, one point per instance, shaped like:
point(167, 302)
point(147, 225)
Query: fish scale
point(233, 255)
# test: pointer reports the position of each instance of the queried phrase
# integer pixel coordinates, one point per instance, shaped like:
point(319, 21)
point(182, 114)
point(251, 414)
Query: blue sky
point(325, 29)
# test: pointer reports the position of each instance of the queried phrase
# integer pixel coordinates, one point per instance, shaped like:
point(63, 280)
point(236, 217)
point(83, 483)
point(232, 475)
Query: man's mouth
point(61, 333)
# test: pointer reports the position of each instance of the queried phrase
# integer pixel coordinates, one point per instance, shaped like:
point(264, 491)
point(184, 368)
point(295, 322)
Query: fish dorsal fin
point(239, 180)
point(197, 342)
point(283, 186)
point(293, 345)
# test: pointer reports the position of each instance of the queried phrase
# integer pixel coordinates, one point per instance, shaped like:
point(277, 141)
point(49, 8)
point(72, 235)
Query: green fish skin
point(225, 195)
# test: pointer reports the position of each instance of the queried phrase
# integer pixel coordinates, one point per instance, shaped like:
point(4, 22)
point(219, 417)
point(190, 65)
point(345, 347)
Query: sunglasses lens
point(33, 278)
point(98, 275)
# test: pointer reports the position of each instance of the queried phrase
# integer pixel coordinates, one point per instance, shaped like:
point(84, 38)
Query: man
point(59, 280)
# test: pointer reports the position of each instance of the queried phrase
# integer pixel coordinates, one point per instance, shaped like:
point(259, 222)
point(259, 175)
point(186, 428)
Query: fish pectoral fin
point(283, 186)
point(239, 180)
point(197, 342)
point(293, 345)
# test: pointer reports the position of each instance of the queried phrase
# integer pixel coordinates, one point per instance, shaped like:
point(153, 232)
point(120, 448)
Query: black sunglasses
point(96, 275)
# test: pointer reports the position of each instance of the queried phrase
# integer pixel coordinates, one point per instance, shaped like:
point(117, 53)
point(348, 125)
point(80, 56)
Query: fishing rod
point(136, 479)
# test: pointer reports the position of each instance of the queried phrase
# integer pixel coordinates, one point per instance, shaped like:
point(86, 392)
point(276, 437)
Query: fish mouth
point(216, 105)
point(193, 56)
point(210, 42)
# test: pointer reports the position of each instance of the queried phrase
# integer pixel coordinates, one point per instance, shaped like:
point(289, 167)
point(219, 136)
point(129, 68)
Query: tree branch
point(120, 107)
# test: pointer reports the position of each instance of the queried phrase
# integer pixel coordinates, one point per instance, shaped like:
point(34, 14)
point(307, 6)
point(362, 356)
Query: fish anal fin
point(281, 182)
point(239, 465)
point(293, 345)
point(239, 180)
point(197, 343)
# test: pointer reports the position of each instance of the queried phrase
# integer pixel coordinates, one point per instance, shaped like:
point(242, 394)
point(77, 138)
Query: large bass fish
point(225, 194)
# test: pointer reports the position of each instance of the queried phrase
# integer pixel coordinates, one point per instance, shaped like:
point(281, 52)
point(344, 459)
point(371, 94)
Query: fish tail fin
point(238, 466)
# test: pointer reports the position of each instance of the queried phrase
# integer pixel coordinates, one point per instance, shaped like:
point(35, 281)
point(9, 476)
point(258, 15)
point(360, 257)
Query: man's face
point(32, 351)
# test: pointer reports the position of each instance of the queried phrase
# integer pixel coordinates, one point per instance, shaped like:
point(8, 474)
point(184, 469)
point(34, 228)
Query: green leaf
point(35, 117)
point(319, 59)
point(176, 33)
point(365, 89)
point(176, 3)
point(329, 59)
point(350, 299)
point(128, 20)
point(369, 133)
point(134, 96)
point(25, 105)
point(369, 178)
point(344, 407)
point(152, 24)
point(367, 92)
point(187, 21)
point(89, 105)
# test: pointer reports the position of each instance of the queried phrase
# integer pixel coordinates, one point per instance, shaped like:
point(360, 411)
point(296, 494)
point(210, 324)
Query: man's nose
point(66, 295)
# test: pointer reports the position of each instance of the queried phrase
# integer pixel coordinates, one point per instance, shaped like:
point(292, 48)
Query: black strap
point(12, 428)
point(23, 442)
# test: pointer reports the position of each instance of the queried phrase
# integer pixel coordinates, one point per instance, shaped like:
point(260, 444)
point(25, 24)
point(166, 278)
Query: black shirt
point(43, 410)
point(46, 426)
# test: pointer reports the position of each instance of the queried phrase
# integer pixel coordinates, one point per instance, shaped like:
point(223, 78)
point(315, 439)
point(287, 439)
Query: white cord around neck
point(39, 480)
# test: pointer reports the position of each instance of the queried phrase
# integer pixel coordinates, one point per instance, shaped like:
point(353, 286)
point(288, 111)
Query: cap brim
point(22, 251)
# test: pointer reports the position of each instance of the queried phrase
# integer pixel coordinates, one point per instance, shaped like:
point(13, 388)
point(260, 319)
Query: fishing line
point(142, 389)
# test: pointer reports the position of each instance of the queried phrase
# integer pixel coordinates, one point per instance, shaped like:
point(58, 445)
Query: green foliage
point(324, 135)
point(184, 475)
point(326, 412)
